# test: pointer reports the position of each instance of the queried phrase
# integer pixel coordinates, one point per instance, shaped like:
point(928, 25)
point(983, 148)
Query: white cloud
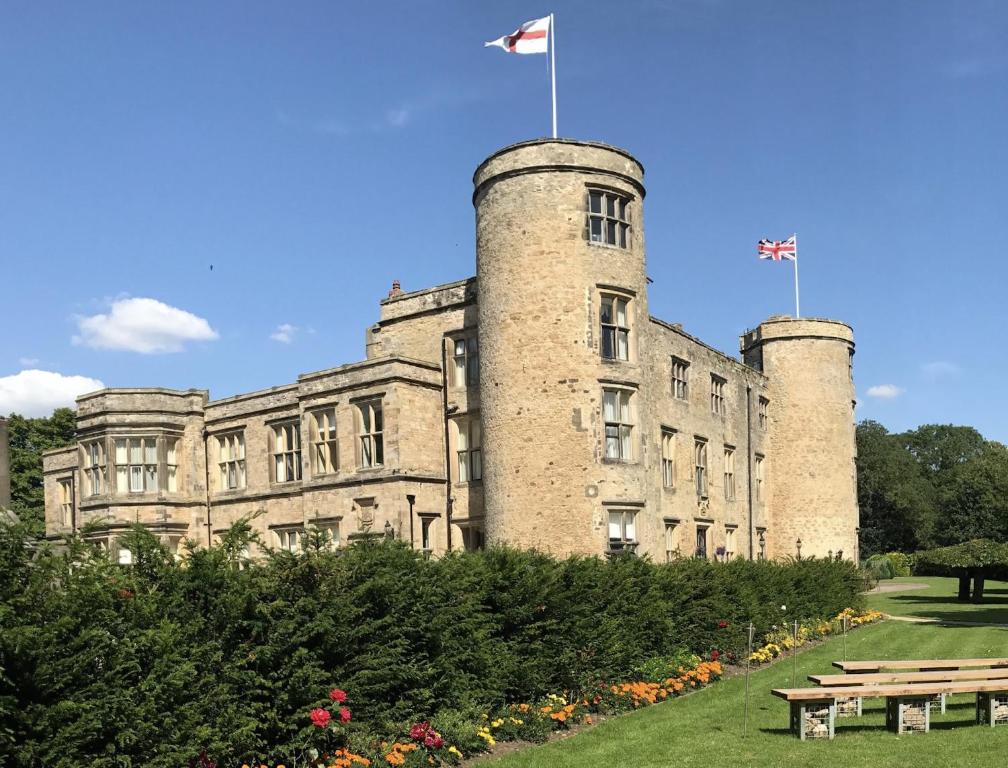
point(284, 333)
point(885, 391)
point(142, 325)
point(399, 116)
point(937, 368)
point(28, 362)
point(37, 393)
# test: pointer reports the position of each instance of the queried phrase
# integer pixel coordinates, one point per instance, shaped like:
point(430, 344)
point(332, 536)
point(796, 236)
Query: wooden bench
point(908, 705)
point(924, 665)
point(853, 706)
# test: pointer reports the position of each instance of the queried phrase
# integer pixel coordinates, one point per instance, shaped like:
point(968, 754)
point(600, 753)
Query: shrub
point(880, 566)
point(160, 660)
point(901, 563)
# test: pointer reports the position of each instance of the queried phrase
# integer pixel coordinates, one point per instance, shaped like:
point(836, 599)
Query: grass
point(938, 601)
point(705, 728)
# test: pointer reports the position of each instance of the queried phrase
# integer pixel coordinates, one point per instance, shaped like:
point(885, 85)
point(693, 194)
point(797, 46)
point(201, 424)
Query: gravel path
point(895, 587)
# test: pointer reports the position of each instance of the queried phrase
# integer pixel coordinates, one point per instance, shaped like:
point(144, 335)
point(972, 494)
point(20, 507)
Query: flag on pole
point(530, 37)
point(776, 250)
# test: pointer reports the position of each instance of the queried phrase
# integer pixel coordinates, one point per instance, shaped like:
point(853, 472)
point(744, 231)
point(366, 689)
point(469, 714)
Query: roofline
point(547, 140)
point(677, 328)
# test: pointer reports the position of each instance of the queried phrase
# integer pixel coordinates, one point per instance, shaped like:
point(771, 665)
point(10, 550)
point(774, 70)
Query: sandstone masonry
point(537, 404)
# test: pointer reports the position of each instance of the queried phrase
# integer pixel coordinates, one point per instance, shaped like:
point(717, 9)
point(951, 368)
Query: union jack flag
point(778, 249)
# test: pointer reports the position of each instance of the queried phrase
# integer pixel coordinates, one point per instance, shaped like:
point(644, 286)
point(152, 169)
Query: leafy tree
point(977, 560)
point(974, 498)
point(29, 438)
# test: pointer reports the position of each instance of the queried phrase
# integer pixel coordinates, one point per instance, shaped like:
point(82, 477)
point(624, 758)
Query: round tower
point(562, 302)
point(812, 478)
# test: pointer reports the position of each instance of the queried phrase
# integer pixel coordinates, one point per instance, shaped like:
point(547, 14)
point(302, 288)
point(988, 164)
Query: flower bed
point(781, 639)
point(335, 744)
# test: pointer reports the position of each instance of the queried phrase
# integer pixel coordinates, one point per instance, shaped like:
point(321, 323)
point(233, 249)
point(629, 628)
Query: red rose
point(338, 696)
point(320, 717)
point(417, 731)
point(714, 655)
point(722, 624)
point(344, 715)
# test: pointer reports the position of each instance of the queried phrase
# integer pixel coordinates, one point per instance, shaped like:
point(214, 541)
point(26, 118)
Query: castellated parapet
point(537, 404)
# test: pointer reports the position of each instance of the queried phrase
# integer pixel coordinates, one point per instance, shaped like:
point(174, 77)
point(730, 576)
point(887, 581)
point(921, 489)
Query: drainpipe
point(447, 447)
point(748, 413)
point(73, 500)
point(206, 477)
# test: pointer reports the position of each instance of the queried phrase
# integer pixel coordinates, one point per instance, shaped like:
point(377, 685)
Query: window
point(700, 467)
point(287, 452)
point(758, 461)
point(608, 218)
point(232, 460)
point(372, 445)
point(668, 457)
point(680, 379)
point(94, 467)
point(125, 556)
point(66, 501)
point(615, 322)
point(764, 406)
point(717, 401)
point(171, 465)
point(324, 447)
point(701, 541)
point(618, 423)
point(329, 533)
point(671, 550)
point(472, 538)
point(729, 473)
point(622, 530)
point(290, 539)
point(425, 535)
point(470, 455)
point(466, 359)
point(729, 543)
point(136, 464)
point(761, 540)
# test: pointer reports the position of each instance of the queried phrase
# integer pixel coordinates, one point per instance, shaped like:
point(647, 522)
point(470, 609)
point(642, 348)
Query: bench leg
point(992, 708)
point(813, 719)
point(906, 714)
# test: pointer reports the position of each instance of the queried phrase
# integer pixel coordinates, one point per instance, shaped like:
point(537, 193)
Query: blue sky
point(314, 152)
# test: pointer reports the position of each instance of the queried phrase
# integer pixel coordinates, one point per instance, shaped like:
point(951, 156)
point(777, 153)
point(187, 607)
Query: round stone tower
point(811, 479)
point(562, 303)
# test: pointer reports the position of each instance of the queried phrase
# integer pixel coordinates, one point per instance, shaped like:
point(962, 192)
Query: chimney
point(396, 290)
point(5, 498)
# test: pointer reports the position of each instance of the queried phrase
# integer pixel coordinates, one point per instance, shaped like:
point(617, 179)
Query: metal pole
point(553, 72)
point(845, 638)
point(794, 655)
point(797, 309)
point(745, 719)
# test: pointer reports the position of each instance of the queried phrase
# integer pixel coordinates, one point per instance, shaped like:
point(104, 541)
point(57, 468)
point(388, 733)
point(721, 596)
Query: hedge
point(105, 665)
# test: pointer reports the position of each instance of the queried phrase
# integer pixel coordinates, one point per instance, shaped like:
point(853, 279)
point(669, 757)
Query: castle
point(537, 404)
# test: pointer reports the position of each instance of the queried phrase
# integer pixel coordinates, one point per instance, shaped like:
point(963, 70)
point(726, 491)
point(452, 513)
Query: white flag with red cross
point(530, 37)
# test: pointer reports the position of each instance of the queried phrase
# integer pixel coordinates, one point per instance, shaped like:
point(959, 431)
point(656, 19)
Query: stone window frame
point(612, 328)
point(171, 464)
point(609, 214)
point(134, 466)
point(330, 527)
point(624, 518)
point(469, 451)
point(369, 416)
point(701, 466)
point(426, 523)
point(763, 412)
point(669, 439)
point(66, 494)
point(95, 465)
point(290, 537)
point(622, 423)
point(465, 360)
point(670, 526)
point(680, 378)
point(702, 543)
point(231, 461)
point(323, 440)
point(759, 478)
point(286, 451)
point(729, 472)
point(730, 531)
point(717, 394)
point(761, 542)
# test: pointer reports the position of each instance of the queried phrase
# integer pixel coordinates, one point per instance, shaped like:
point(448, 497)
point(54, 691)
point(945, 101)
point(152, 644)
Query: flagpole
point(553, 72)
point(797, 310)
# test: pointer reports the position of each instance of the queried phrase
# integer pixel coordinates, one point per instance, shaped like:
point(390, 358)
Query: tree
point(897, 500)
point(974, 498)
point(29, 438)
point(977, 560)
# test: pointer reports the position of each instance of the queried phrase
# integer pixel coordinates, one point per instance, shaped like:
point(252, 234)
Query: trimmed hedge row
point(146, 665)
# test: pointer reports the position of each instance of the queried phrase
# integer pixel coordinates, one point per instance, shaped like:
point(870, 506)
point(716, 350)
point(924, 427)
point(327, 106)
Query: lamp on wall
point(762, 545)
point(798, 547)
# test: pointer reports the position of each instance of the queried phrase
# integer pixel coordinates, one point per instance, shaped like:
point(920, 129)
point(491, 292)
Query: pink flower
point(722, 624)
point(714, 655)
point(418, 731)
point(337, 695)
point(320, 717)
point(344, 715)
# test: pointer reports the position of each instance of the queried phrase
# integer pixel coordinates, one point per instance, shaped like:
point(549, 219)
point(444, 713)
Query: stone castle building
point(537, 404)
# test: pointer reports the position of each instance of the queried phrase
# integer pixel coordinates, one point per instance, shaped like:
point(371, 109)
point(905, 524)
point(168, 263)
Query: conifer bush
point(149, 664)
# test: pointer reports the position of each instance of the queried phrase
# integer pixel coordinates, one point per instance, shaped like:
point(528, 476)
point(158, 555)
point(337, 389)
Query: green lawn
point(705, 728)
point(938, 601)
